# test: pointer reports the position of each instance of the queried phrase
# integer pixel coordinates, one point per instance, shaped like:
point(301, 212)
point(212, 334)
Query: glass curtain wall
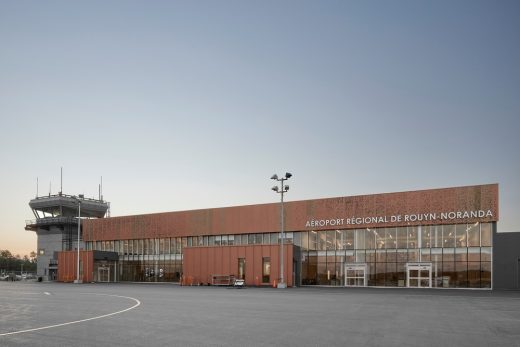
point(460, 254)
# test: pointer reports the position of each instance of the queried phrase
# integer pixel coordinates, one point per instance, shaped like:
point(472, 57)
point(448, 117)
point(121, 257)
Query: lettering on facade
point(419, 217)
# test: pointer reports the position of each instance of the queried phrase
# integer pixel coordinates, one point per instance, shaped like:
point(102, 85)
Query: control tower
point(56, 226)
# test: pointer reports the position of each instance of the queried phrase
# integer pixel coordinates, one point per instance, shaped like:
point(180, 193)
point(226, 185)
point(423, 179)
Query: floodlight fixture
point(283, 189)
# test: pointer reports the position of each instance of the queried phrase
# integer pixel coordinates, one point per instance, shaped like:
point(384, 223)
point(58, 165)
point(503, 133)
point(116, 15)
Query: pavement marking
point(81, 320)
point(46, 293)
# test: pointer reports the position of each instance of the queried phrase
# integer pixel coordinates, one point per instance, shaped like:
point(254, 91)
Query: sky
point(185, 105)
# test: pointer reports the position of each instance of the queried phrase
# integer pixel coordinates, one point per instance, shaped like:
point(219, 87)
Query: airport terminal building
point(438, 238)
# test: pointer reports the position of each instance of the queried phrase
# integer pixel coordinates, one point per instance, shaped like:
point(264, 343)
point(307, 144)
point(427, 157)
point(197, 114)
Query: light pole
point(283, 189)
point(77, 246)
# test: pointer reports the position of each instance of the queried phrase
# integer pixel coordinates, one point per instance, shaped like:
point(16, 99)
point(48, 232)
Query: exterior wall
point(390, 210)
point(200, 263)
point(506, 261)
point(459, 255)
point(51, 242)
point(67, 261)
point(449, 228)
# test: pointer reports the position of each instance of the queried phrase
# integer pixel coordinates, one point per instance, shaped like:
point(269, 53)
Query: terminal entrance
point(104, 274)
point(356, 275)
point(419, 275)
point(105, 271)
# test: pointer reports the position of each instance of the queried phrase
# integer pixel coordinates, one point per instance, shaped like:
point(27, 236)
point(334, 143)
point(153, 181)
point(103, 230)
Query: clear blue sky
point(185, 105)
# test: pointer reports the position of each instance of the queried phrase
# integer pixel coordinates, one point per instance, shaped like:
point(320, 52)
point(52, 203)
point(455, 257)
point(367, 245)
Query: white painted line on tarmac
point(81, 320)
point(46, 293)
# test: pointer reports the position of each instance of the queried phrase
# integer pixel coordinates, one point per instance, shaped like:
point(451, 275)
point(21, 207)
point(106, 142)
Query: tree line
point(10, 262)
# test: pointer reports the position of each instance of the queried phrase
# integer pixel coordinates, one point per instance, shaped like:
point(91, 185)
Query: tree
point(10, 263)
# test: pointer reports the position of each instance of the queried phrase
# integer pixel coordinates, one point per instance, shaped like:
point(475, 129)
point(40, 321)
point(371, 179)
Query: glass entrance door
point(242, 268)
point(419, 275)
point(104, 274)
point(356, 275)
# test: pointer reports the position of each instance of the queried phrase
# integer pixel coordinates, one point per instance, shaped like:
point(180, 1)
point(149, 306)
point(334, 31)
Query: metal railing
point(51, 220)
point(66, 196)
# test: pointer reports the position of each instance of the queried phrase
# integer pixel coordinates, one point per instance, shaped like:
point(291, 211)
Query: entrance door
point(104, 274)
point(241, 268)
point(419, 275)
point(356, 275)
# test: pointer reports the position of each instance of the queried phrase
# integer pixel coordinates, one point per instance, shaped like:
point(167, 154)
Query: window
point(485, 234)
point(474, 235)
point(448, 235)
point(305, 240)
point(162, 246)
point(266, 269)
point(178, 245)
point(390, 238)
point(425, 237)
point(370, 238)
point(313, 240)
point(412, 237)
point(322, 240)
point(297, 239)
point(460, 235)
point(401, 237)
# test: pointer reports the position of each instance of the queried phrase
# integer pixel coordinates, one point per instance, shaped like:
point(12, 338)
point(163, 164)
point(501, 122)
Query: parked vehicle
point(239, 283)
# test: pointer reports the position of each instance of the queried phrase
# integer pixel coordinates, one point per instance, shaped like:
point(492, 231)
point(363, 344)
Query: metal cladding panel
point(250, 274)
point(67, 266)
point(201, 263)
point(506, 260)
point(430, 207)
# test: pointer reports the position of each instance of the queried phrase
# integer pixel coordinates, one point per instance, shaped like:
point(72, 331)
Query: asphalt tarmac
point(57, 314)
